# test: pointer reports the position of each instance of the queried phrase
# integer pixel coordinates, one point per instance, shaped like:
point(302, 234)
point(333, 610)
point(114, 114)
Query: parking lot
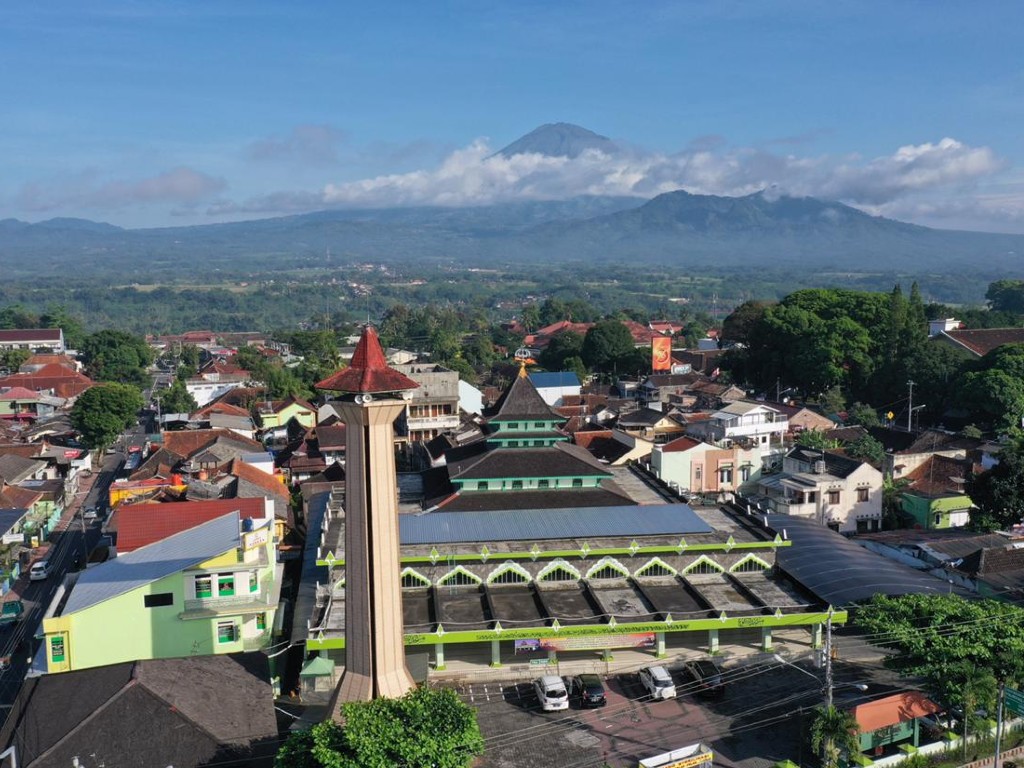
point(755, 724)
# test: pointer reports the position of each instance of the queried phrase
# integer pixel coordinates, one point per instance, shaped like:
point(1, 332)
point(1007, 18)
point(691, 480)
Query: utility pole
point(910, 405)
point(999, 719)
point(828, 659)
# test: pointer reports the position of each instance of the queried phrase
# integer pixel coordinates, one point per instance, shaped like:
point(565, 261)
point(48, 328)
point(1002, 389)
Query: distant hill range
point(685, 230)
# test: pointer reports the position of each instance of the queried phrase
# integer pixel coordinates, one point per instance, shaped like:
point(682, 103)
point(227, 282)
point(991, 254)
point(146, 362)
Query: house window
point(577, 482)
point(226, 586)
point(744, 474)
point(517, 485)
point(698, 473)
point(833, 497)
point(513, 443)
point(545, 483)
point(254, 582)
point(538, 424)
point(261, 621)
point(938, 519)
point(204, 586)
point(725, 475)
point(513, 425)
point(482, 485)
point(155, 601)
point(225, 631)
point(862, 494)
point(57, 649)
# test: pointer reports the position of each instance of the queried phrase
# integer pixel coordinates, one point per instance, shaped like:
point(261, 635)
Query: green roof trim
point(317, 667)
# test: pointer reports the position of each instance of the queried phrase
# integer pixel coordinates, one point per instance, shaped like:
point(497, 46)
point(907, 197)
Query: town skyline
point(162, 115)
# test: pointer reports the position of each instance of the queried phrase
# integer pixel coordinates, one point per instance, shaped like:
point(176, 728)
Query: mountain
point(700, 232)
point(559, 140)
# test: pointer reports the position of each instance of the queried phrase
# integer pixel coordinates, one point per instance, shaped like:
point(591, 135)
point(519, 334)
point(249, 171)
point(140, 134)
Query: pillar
point(439, 656)
point(816, 634)
point(552, 657)
point(495, 653)
point(659, 645)
point(606, 655)
point(712, 641)
point(766, 639)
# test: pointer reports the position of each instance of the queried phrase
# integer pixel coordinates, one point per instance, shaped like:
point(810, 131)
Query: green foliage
point(866, 448)
point(1006, 296)
point(102, 412)
point(11, 359)
point(833, 731)
point(176, 399)
point(741, 321)
point(863, 415)
point(999, 493)
point(993, 391)
point(117, 356)
point(959, 646)
point(815, 439)
point(57, 316)
point(561, 347)
point(426, 728)
point(606, 344)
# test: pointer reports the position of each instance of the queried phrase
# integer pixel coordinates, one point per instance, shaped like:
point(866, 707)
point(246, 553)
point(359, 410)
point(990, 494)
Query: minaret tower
point(372, 395)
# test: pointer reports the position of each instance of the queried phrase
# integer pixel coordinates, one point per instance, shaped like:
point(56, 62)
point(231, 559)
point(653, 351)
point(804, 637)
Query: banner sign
point(661, 353)
point(1014, 700)
point(585, 643)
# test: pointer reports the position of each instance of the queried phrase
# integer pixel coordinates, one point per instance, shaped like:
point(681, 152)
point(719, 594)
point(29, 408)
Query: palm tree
point(834, 731)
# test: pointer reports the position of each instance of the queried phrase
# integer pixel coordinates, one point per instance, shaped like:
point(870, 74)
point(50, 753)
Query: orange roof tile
point(141, 524)
point(882, 713)
point(368, 372)
point(270, 483)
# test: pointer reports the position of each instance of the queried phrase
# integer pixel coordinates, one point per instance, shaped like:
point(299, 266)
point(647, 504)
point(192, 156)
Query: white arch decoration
point(506, 567)
point(558, 565)
point(653, 563)
point(416, 575)
point(456, 571)
point(608, 562)
point(703, 559)
point(751, 558)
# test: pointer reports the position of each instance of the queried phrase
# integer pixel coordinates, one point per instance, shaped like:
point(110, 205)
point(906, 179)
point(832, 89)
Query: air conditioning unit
point(819, 467)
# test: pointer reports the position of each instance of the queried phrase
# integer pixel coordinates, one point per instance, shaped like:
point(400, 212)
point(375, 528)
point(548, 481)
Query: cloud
point(304, 144)
point(473, 176)
point(180, 185)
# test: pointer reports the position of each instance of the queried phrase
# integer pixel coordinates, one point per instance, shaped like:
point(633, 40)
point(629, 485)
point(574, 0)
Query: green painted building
point(211, 589)
point(934, 498)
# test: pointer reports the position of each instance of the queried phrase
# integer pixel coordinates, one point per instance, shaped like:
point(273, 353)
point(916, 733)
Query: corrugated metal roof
point(147, 564)
point(564, 523)
point(840, 571)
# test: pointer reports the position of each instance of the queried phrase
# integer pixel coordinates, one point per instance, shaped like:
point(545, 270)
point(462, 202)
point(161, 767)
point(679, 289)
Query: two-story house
point(832, 489)
point(210, 588)
point(689, 465)
point(433, 407)
point(743, 421)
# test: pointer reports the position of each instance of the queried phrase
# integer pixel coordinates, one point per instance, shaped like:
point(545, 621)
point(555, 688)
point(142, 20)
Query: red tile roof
point(141, 524)
point(899, 708)
point(225, 409)
point(30, 334)
point(270, 483)
point(189, 442)
point(18, 393)
point(981, 341)
point(679, 445)
point(64, 381)
point(369, 371)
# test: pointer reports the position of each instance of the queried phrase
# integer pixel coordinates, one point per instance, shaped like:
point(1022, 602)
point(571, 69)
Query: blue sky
point(166, 113)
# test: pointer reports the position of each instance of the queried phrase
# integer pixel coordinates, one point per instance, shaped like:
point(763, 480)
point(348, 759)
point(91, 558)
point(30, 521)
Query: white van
point(39, 571)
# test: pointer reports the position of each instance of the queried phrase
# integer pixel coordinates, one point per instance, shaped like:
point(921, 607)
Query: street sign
point(1014, 700)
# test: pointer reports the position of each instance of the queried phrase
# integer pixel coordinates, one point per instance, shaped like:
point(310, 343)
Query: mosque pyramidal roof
point(522, 402)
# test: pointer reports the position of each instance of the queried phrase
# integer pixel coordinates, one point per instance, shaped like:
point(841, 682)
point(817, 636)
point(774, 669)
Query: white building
point(742, 422)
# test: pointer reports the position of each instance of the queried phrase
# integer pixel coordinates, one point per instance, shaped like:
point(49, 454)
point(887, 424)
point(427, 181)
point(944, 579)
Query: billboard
point(661, 353)
point(586, 643)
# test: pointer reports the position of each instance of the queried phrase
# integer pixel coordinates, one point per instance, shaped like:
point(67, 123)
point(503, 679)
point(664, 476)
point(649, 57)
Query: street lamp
point(827, 687)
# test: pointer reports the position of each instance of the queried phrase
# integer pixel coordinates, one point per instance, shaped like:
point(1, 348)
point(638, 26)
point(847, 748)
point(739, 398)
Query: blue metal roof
point(9, 517)
point(542, 379)
point(540, 524)
point(154, 561)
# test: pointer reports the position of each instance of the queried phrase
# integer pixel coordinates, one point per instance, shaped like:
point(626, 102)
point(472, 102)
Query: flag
point(661, 353)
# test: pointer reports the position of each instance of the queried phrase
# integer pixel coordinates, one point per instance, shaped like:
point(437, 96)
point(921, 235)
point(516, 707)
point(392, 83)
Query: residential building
point(33, 339)
point(274, 414)
point(977, 342)
point(935, 495)
point(433, 407)
point(214, 710)
point(54, 379)
point(208, 589)
point(827, 487)
point(649, 424)
point(745, 422)
point(691, 466)
point(26, 405)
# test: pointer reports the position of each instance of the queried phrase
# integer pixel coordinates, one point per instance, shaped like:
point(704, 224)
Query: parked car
point(658, 682)
point(90, 513)
point(551, 693)
point(11, 612)
point(707, 676)
point(589, 689)
point(39, 571)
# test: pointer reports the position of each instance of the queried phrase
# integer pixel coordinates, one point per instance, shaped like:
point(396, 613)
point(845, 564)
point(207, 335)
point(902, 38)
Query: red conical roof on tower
point(369, 371)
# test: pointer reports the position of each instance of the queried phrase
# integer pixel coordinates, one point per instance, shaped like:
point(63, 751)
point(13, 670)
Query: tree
point(959, 646)
point(12, 359)
point(57, 316)
point(117, 356)
point(834, 731)
point(561, 347)
point(426, 728)
point(998, 493)
point(816, 440)
point(1006, 296)
point(862, 414)
point(605, 343)
point(176, 399)
point(866, 448)
point(102, 412)
point(738, 325)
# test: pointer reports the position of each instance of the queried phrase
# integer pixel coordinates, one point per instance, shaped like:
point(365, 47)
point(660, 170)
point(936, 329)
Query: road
point(70, 543)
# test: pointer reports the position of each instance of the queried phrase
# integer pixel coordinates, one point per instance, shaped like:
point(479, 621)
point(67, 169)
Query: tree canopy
point(998, 493)
point(176, 399)
point(426, 728)
point(607, 344)
point(102, 412)
point(117, 356)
